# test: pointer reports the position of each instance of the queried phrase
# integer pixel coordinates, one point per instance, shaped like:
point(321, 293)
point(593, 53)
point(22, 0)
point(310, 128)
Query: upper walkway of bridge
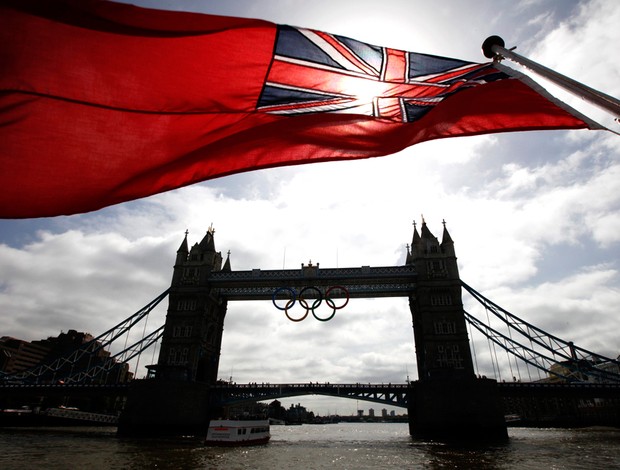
point(365, 281)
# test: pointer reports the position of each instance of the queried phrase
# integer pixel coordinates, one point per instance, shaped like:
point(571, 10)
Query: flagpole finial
point(493, 48)
point(487, 46)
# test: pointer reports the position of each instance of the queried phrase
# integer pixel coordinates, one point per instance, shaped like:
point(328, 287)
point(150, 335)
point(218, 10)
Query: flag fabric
point(102, 103)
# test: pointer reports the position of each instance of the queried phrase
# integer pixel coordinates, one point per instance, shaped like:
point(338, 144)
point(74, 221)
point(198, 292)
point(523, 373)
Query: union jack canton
point(315, 72)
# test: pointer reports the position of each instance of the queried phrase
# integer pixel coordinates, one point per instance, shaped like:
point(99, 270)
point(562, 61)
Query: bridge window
point(183, 357)
point(191, 275)
point(449, 357)
point(187, 304)
point(441, 298)
point(177, 356)
point(172, 356)
point(436, 267)
point(445, 327)
point(182, 331)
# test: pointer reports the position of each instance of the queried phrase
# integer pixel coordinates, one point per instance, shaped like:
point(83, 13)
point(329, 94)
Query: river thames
point(332, 446)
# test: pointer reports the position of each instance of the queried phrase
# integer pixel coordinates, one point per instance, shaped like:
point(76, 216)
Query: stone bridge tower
point(190, 348)
point(440, 331)
point(447, 401)
point(176, 400)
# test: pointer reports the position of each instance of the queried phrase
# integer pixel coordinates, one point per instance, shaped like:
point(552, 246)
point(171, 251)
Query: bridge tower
point(447, 400)
point(175, 398)
point(440, 331)
point(190, 348)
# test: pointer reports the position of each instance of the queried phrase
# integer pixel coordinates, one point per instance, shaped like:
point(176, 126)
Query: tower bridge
point(448, 400)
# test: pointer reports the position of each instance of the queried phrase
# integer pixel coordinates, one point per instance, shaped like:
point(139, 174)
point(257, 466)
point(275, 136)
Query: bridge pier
point(456, 409)
point(165, 408)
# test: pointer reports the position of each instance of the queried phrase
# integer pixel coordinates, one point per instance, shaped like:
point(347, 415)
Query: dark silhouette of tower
point(176, 399)
point(440, 331)
point(192, 339)
point(447, 401)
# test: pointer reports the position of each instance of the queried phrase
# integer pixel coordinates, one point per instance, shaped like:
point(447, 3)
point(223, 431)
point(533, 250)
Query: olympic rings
point(291, 301)
point(309, 292)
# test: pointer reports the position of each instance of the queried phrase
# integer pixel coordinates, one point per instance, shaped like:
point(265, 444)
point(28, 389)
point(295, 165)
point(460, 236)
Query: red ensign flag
point(102, 103)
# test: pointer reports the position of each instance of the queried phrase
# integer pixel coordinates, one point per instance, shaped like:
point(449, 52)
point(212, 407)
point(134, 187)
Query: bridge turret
point(183, 250)
point(416, 243)
point(447, 245)
point(226, 268)
point(181, 260)
point(205, 254)
point(449, 254)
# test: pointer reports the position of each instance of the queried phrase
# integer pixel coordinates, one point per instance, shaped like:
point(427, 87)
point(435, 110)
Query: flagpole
point(493, 48)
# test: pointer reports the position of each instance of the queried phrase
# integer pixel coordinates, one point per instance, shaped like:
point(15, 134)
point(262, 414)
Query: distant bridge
point(389, 394)
point(393, 394)
point(396, 394)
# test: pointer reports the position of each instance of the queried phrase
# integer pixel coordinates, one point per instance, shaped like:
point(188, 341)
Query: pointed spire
point(416, 235)
point(447, 245)
point(207, 243)
point(445, 238)
point(416, 244)
point(226, 267)
point(183, 251)
point(183, 248)
point(425, 232)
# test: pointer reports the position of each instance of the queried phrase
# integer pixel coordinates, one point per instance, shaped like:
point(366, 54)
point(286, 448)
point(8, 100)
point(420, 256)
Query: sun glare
point(366, 90)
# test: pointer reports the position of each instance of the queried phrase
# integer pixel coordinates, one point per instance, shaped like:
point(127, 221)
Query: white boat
point(228, 432)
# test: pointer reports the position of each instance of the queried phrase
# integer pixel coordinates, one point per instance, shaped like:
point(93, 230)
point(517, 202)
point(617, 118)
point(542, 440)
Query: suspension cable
point(579, 361)
point(89, 348)
point(473, 347)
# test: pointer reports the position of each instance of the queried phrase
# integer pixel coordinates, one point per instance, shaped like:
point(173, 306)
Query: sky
point(535, 216)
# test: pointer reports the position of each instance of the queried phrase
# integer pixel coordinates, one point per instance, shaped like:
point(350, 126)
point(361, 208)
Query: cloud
point(579, 48)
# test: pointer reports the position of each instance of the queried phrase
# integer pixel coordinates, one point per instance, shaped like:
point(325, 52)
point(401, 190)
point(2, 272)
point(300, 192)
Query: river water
point(332, 446)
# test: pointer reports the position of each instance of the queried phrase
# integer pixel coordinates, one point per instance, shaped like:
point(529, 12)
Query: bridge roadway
point(389, 394)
